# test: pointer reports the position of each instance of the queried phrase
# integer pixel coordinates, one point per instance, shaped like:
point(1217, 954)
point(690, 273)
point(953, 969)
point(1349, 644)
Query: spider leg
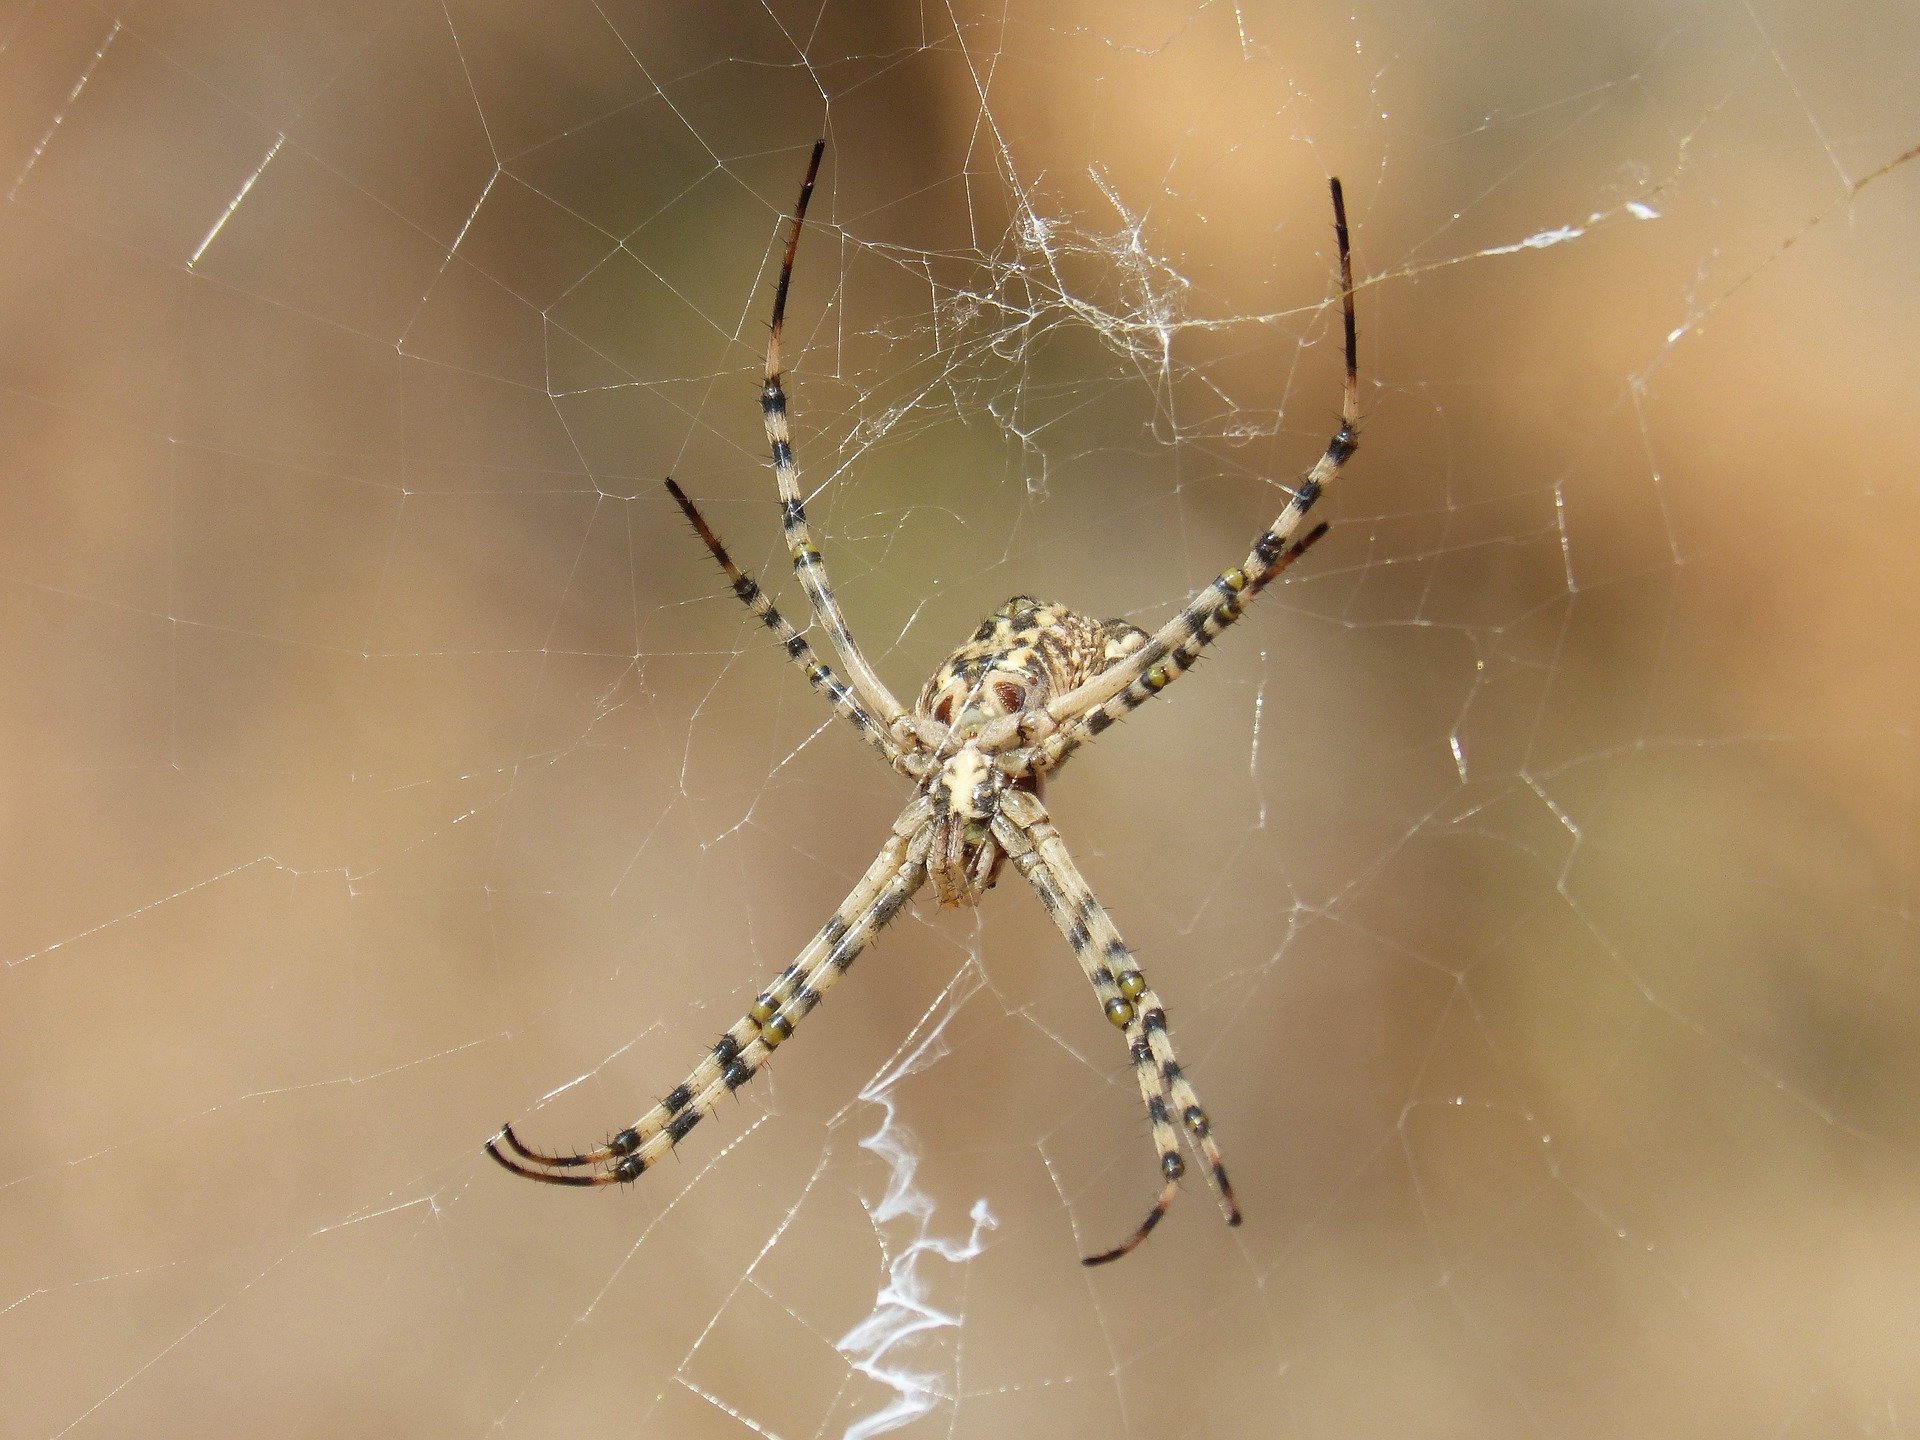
point(889, 883)
point(1027, 835)
point(808, 565)
point(819, 675)
point(1216, 605)
point(1175, 663)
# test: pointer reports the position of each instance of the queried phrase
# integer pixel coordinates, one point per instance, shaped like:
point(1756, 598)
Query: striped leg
point(1218, 604)
point(1172, 665)
point(888, 884)
point(1026, 833)
point(819, 675)
point(808, 565)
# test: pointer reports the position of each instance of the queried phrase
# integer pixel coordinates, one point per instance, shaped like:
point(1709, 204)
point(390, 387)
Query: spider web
point(1530, 877)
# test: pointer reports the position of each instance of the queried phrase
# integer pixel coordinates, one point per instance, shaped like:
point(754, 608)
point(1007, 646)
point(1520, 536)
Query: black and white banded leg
point(898, 871)
point(1127, 1000)
point(819, 674)
point(1171, 649)
point(809, 566)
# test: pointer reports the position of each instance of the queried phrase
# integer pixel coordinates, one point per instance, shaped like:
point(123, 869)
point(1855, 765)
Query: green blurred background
point(1531, 878)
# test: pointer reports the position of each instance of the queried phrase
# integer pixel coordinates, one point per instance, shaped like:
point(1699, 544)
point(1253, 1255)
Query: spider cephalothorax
point(965, 792)
point(1036, 682)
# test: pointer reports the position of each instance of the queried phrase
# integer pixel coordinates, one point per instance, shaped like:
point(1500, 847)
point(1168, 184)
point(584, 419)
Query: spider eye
point(943, 712)
point(1011, 696)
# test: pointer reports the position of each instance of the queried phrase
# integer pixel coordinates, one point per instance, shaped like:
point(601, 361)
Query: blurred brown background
point(1531, 877)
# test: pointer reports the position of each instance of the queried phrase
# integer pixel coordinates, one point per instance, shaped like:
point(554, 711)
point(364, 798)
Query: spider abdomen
point(1024, 654)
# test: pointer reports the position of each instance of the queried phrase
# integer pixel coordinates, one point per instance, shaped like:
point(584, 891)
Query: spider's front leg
point(1027, 835)
point(897, 872)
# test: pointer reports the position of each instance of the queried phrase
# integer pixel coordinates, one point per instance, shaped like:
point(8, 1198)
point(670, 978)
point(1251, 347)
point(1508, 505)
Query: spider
point(1035, 683)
